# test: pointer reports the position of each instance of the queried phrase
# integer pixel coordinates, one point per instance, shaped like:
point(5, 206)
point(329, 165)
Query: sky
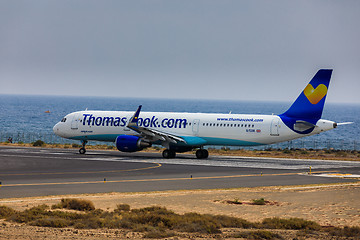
point(255, 50)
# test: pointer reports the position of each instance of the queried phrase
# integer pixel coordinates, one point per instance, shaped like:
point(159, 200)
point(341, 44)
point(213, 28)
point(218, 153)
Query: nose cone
point(56, 129)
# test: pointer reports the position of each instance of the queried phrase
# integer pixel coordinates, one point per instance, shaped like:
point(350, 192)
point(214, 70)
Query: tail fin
point(310, 103)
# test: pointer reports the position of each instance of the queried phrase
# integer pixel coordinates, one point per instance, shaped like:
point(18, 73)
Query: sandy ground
point(329, 205)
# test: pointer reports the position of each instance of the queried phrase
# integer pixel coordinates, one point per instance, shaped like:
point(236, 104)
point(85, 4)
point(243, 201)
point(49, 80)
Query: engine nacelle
point(128, 143)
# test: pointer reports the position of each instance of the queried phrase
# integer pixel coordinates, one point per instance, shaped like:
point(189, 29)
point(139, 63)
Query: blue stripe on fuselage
point(190, 140)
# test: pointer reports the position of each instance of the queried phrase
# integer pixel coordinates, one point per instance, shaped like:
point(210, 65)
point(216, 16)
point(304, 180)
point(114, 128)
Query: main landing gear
point(83, 150)
point(168, 153)
point(200, 154)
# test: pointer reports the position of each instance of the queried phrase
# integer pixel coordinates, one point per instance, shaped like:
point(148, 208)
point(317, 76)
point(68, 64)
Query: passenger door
point(195, 126)
point(274, 128)
point(75, 121)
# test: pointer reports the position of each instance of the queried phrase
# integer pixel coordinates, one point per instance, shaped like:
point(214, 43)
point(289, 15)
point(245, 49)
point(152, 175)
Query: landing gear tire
point(168, 154)
point(82, 150)
point(206, 153)
point(202, 153)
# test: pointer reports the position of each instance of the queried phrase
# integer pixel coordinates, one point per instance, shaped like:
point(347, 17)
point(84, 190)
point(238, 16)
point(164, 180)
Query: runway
point(26, 172)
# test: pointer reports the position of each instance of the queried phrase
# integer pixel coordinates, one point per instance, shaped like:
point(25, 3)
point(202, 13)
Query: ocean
point(25, 117)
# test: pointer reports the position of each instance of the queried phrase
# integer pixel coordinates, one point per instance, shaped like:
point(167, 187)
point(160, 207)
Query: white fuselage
point(197, 129)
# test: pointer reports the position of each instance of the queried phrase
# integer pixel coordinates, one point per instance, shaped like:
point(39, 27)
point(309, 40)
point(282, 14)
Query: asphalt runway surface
point(26, 172)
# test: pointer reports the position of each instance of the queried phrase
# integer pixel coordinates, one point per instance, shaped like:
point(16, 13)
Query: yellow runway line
point(151, 180)
point(59, 173)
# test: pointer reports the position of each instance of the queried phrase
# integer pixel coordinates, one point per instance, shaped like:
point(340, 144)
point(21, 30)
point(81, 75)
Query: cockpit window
point(63, 120)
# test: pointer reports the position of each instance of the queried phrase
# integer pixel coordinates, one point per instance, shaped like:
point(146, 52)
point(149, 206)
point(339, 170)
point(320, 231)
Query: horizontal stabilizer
point(303, 126)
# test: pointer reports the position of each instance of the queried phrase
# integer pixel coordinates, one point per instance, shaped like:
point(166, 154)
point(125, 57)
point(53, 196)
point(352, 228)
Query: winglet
point(133, 123)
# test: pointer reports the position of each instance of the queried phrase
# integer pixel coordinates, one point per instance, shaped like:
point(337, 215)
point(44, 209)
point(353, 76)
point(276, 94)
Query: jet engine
point(128, 143)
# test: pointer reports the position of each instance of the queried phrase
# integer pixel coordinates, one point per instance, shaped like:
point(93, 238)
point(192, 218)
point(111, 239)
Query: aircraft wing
point(152, 134)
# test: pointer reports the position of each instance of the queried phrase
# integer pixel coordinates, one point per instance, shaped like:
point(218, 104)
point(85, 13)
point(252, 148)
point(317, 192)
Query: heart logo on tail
point(315, 95)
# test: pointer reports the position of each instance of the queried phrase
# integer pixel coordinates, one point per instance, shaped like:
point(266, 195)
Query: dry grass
point(75, 204)
point(6, 212)
point(260, 201)
point(347, 232)
point(258, 234)
point(158, 222)
point(328, 154)
point(291, 223)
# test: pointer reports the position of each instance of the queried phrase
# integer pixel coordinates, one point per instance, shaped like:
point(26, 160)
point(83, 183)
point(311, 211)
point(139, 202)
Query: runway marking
point(64, 158)
point(107, 171)
point(155, 180)
point(340, 175)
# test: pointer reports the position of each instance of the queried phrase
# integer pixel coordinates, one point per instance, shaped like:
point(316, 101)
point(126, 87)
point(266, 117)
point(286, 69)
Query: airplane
point(182, 132)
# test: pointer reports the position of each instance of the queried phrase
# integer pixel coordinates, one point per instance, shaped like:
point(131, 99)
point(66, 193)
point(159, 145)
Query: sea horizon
point(25, 114)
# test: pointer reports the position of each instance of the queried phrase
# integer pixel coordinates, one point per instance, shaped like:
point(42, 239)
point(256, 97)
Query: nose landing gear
point(83, 150)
